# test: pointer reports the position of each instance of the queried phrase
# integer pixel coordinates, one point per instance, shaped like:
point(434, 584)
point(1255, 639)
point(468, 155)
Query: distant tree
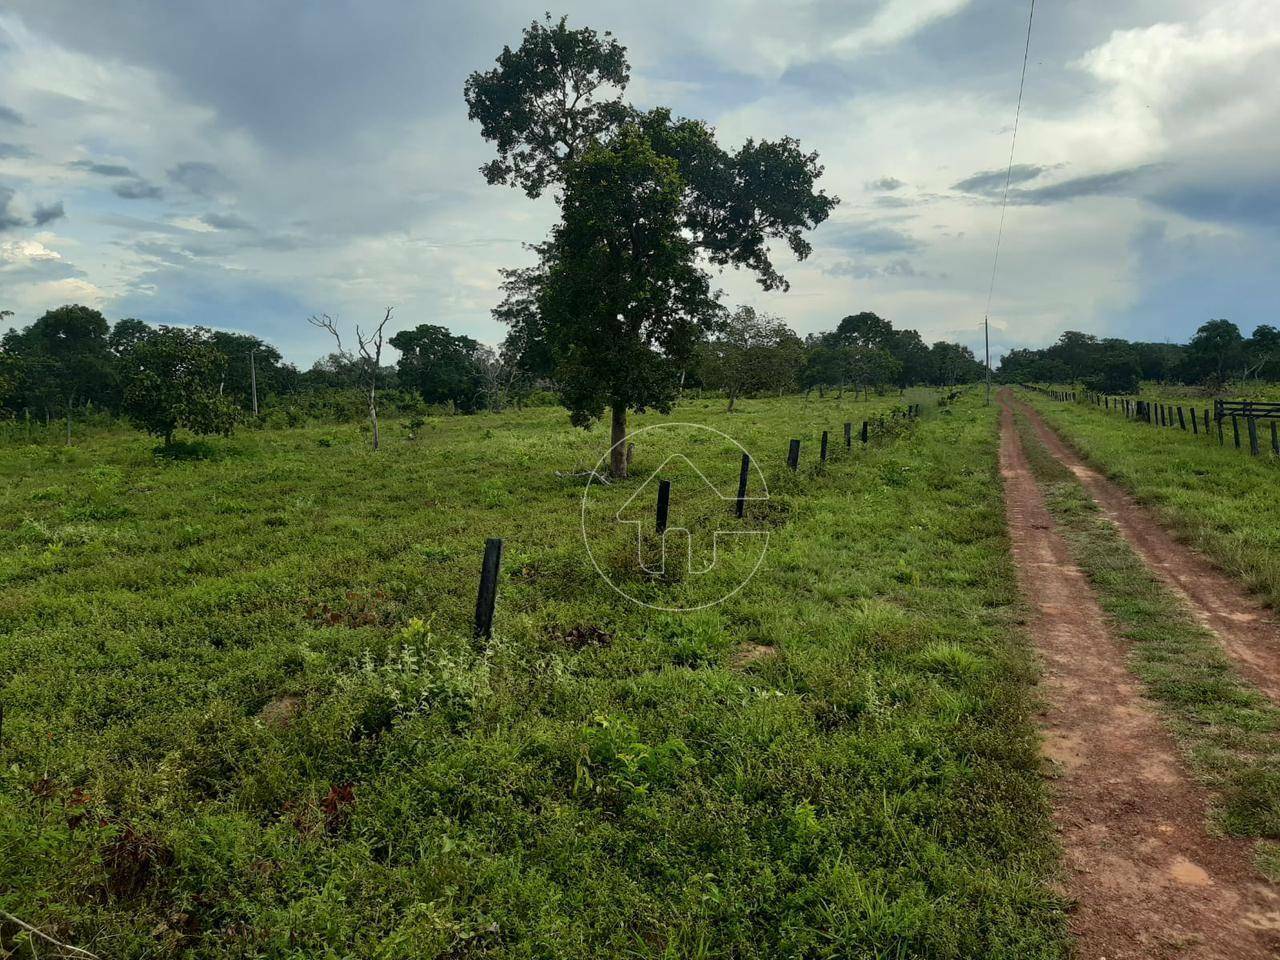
point(1159, 361)
point(1262, 352)
point(441, 367)
point(1214, 353)
point(267, 366)
point(1119, 371)
point(912, 353)
point(125, 335)
point(67, 361)
point(749, 355)
point(617, 303)
point(826, 364)
point(871, 368)
point(369, 363)
point(500, 378)
point(173, 380)
point(865, 330)
point(954, 363)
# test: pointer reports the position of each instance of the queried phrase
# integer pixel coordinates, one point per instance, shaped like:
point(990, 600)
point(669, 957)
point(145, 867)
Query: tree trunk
point(732, 398)
point(618, 451)
point(373, 414)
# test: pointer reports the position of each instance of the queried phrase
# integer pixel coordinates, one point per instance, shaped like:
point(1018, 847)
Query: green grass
point(1229, 731)
point(602, 780)
point(1222, 501)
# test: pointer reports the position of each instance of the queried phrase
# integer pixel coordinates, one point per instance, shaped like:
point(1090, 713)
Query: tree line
point(1218, 354)
point(72, 361)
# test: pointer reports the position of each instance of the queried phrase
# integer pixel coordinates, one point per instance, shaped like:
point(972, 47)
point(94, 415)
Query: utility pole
point(253, 380)
point(986, 336)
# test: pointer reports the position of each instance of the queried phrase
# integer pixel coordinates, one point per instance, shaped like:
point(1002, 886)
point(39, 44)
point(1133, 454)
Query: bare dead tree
point(497, 376)
point(369, 361)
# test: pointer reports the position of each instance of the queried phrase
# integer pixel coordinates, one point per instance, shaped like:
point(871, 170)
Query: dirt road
point(1148, 879)
point(1247, 630)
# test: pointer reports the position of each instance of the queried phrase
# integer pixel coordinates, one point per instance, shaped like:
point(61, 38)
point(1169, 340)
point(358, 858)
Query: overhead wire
point(1004, 200)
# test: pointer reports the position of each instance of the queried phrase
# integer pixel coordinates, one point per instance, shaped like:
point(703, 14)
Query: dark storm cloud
point(13, 151)
point(8, 219)
point(1114, 183)
point(9, 115)
point(992, 181)
point(48, 212)
point(283, 80)
point(867, 239)
point(136, 190)
point(1247, 201)
point(199, 177)
point(103, 169)
point(886, 184)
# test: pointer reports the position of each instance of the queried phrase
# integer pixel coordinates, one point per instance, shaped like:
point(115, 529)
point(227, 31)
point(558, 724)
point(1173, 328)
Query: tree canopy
point(621, 297)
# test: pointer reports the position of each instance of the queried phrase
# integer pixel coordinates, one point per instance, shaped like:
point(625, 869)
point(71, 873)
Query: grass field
point(244, 716)
point(1221, 500)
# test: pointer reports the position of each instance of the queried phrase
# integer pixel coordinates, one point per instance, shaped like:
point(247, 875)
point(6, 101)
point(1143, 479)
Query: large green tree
point(66, 360)
point(592, 311)
point(173, 380)
point(441, 367)
point(1215, 352)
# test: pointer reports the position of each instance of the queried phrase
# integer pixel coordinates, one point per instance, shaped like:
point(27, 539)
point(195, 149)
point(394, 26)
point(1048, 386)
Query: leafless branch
point(66, 948)
point(326, 322)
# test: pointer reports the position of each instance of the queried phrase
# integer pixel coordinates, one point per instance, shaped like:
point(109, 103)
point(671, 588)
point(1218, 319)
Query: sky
point(244, 165)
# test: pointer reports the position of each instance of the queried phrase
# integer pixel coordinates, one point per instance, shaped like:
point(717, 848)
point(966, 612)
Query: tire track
point(1148, 880)
point(1246, 629)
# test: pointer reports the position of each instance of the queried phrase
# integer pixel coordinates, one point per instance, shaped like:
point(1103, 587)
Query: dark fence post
point(848, 435)
point(742, 484)
point(488, 595)
point(664, 505)
point(1235, 429)
point(1253, 436)
point(1182, 421)
point(864, 431)
point(1195, 423)
point(1206, 421)
point(824, 446)
point(1275, 439)
point(793, 454)
point(1221, 441)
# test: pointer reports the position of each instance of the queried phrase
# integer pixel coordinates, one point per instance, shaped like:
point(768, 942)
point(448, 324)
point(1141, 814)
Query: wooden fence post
point(1182, 421)
point(864, 431)
point(487, 598)
point(1253, 435)
point(823, 453)
point(793, 454)
point(1195, 422)
point(664, 505)
point(1275, 439)
point(1235, 429)
point(742, 485)
point(848, 435)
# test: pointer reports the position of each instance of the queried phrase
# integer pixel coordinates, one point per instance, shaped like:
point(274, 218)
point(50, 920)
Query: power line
point(1004, 200)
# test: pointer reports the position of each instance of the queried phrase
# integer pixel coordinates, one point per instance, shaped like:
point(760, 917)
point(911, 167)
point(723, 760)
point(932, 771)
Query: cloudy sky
point(244, 164)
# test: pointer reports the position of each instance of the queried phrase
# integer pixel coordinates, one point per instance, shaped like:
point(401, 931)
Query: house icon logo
point(684, 532)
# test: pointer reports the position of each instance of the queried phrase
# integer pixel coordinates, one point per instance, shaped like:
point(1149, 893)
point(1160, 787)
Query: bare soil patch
point(1148, 880)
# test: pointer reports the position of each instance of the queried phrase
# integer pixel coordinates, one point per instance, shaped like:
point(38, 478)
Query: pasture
point(245, 715)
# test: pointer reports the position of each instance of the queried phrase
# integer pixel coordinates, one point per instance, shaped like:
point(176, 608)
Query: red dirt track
point(1247, 630)
point(1148, 880)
